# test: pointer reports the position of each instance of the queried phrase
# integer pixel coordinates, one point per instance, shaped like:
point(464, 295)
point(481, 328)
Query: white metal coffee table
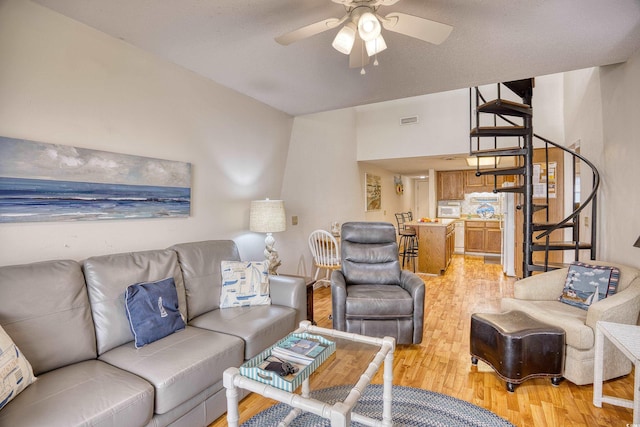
point(627, 339)
point(341, 413)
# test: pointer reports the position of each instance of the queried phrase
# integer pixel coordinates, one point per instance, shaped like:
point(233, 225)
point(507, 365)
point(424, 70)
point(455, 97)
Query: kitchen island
point(436, 243)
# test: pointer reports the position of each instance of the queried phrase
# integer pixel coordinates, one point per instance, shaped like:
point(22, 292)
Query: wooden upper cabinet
point(472, 181)
point(480, 184)
point(450, 185)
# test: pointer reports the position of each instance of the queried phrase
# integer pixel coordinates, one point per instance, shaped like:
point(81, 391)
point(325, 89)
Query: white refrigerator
point(508, 233)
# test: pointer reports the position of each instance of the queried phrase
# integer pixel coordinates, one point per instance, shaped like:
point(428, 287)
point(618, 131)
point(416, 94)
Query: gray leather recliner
point(371, 294)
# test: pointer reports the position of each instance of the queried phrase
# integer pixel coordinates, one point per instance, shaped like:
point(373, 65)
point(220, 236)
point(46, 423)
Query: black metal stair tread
point(519, 189)
point(560, 246)
point(521, 87)
point(506, 107)
point(500, 152)
point(502, 171)
point(500, 131)
point(550, 266)
point(537, 226)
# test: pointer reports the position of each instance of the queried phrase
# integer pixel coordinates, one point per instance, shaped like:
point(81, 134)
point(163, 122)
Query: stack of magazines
point(298, 350)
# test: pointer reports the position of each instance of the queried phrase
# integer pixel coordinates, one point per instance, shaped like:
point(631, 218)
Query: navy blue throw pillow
point(152, 310)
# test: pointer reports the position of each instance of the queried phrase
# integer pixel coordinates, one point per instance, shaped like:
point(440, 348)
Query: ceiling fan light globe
point(368, 26)
point(343, 42)
point(375, 46)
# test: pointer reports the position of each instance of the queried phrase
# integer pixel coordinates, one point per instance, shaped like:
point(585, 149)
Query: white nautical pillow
point(244, 283)
point(15, 371)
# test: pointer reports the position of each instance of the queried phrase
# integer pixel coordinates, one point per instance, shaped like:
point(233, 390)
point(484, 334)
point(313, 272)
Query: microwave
point(449, 211)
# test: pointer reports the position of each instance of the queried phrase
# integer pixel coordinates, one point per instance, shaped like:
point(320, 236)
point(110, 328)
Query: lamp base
point(271, 254)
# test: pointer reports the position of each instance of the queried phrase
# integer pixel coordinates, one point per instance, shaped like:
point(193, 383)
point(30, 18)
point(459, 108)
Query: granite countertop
point(441, 222)
point(477, 218)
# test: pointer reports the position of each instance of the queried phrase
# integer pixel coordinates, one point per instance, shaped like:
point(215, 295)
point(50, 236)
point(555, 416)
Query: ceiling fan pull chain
point(362, 71)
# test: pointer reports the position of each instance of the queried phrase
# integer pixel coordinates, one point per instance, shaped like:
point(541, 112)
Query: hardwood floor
point(441, 362)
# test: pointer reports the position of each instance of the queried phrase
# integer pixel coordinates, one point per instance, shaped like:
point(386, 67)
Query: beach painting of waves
point(49, 182)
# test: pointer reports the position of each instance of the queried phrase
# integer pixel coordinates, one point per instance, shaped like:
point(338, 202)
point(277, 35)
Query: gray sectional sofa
point(69, 321)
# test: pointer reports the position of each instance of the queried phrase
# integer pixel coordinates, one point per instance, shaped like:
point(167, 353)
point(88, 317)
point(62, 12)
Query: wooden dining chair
point(326, 256)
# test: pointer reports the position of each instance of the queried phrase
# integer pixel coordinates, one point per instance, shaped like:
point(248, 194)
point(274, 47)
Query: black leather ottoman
point(517, 346)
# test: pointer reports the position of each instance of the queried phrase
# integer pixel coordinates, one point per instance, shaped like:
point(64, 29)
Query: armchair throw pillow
point(244, 283)
point(587, 284)
point(16, 370)
point(152, 310)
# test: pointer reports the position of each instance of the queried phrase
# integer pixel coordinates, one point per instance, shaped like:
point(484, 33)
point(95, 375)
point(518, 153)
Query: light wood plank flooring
point(441, 362)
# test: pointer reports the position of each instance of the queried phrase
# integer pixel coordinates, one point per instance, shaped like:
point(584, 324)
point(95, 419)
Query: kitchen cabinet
point(482, 237)
point(436, 244)
point(480, 184)
point(484, 183)
point(450, 185)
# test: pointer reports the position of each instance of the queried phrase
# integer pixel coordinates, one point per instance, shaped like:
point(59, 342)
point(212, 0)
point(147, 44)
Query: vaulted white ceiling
point(232, 43)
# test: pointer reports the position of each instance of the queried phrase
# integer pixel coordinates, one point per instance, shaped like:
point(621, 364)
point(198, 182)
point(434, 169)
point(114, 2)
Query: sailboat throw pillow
point(587, 284)
point(244, 283)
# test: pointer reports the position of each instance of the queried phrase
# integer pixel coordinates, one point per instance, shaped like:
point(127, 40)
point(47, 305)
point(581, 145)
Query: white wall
point(620, 201)
point(583, 126)
point(323, 183)
point(62, 82)
point(443, 126)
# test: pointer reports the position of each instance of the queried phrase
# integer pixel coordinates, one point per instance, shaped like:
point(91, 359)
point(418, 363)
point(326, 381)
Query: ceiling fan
point(361, 37)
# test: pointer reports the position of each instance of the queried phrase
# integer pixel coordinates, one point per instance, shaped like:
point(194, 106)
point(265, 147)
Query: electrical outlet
point(294, 220)
point(586, 221)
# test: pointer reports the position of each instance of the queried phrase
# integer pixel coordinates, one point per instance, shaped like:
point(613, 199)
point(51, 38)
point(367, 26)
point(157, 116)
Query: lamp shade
point(375, 46)
point(368, 26)
point(267, 216)
point(345, 38)
point(637, 243)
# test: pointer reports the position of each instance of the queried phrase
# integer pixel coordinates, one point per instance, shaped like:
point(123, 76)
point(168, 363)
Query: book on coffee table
point(298, 350)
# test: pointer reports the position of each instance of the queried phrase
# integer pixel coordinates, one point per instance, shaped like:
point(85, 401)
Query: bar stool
point(408, 243)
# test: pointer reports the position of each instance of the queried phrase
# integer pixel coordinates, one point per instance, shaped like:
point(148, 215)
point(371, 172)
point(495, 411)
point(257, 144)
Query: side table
point(310, 283)
point(627, 339)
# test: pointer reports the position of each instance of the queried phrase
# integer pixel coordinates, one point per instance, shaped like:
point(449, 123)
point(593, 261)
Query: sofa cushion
point(181, 365)
point(101, 394)
point(571, 319)
point(379, 301)
point(259, 326)
point(49, 316)
point(244, 283)
point(152, 310)
point(107, 279)
point(587, 284)
point(16, 370)
point(200, 264)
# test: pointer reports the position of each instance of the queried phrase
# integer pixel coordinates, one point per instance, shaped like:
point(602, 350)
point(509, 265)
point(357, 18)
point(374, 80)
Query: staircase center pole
point(528, 191)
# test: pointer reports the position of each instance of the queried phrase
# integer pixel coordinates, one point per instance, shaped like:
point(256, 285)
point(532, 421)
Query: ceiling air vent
point(408, 120)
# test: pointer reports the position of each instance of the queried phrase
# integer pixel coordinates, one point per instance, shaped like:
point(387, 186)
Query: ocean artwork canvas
point(51, 182)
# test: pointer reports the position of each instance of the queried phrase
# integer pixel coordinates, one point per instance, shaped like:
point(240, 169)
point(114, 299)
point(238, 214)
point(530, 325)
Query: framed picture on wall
point(373, 192)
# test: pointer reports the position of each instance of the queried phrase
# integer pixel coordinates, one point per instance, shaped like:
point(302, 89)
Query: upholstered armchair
point(371, 294)
point(538, 296)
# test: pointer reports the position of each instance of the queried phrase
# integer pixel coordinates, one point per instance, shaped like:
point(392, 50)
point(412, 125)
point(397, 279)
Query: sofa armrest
point(541, 287)
point(622, 307)
point(338, 300)
point(290, 291)
point(413, 284)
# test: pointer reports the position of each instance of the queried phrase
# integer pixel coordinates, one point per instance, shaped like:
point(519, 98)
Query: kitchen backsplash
point(473, 201)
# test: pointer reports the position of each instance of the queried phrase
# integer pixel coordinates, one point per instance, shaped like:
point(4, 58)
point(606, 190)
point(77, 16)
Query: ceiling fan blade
point(414, 26)
point(309, 30)
point(370, 3)
point(358, 57)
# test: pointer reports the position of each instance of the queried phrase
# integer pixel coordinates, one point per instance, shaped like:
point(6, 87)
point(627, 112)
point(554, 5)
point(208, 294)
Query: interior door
point(422, 199)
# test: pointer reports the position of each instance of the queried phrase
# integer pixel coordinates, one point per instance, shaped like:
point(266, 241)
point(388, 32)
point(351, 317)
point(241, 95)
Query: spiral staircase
point(503, 128)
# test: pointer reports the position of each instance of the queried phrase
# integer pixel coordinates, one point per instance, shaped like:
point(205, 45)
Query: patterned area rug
point(411, 407)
